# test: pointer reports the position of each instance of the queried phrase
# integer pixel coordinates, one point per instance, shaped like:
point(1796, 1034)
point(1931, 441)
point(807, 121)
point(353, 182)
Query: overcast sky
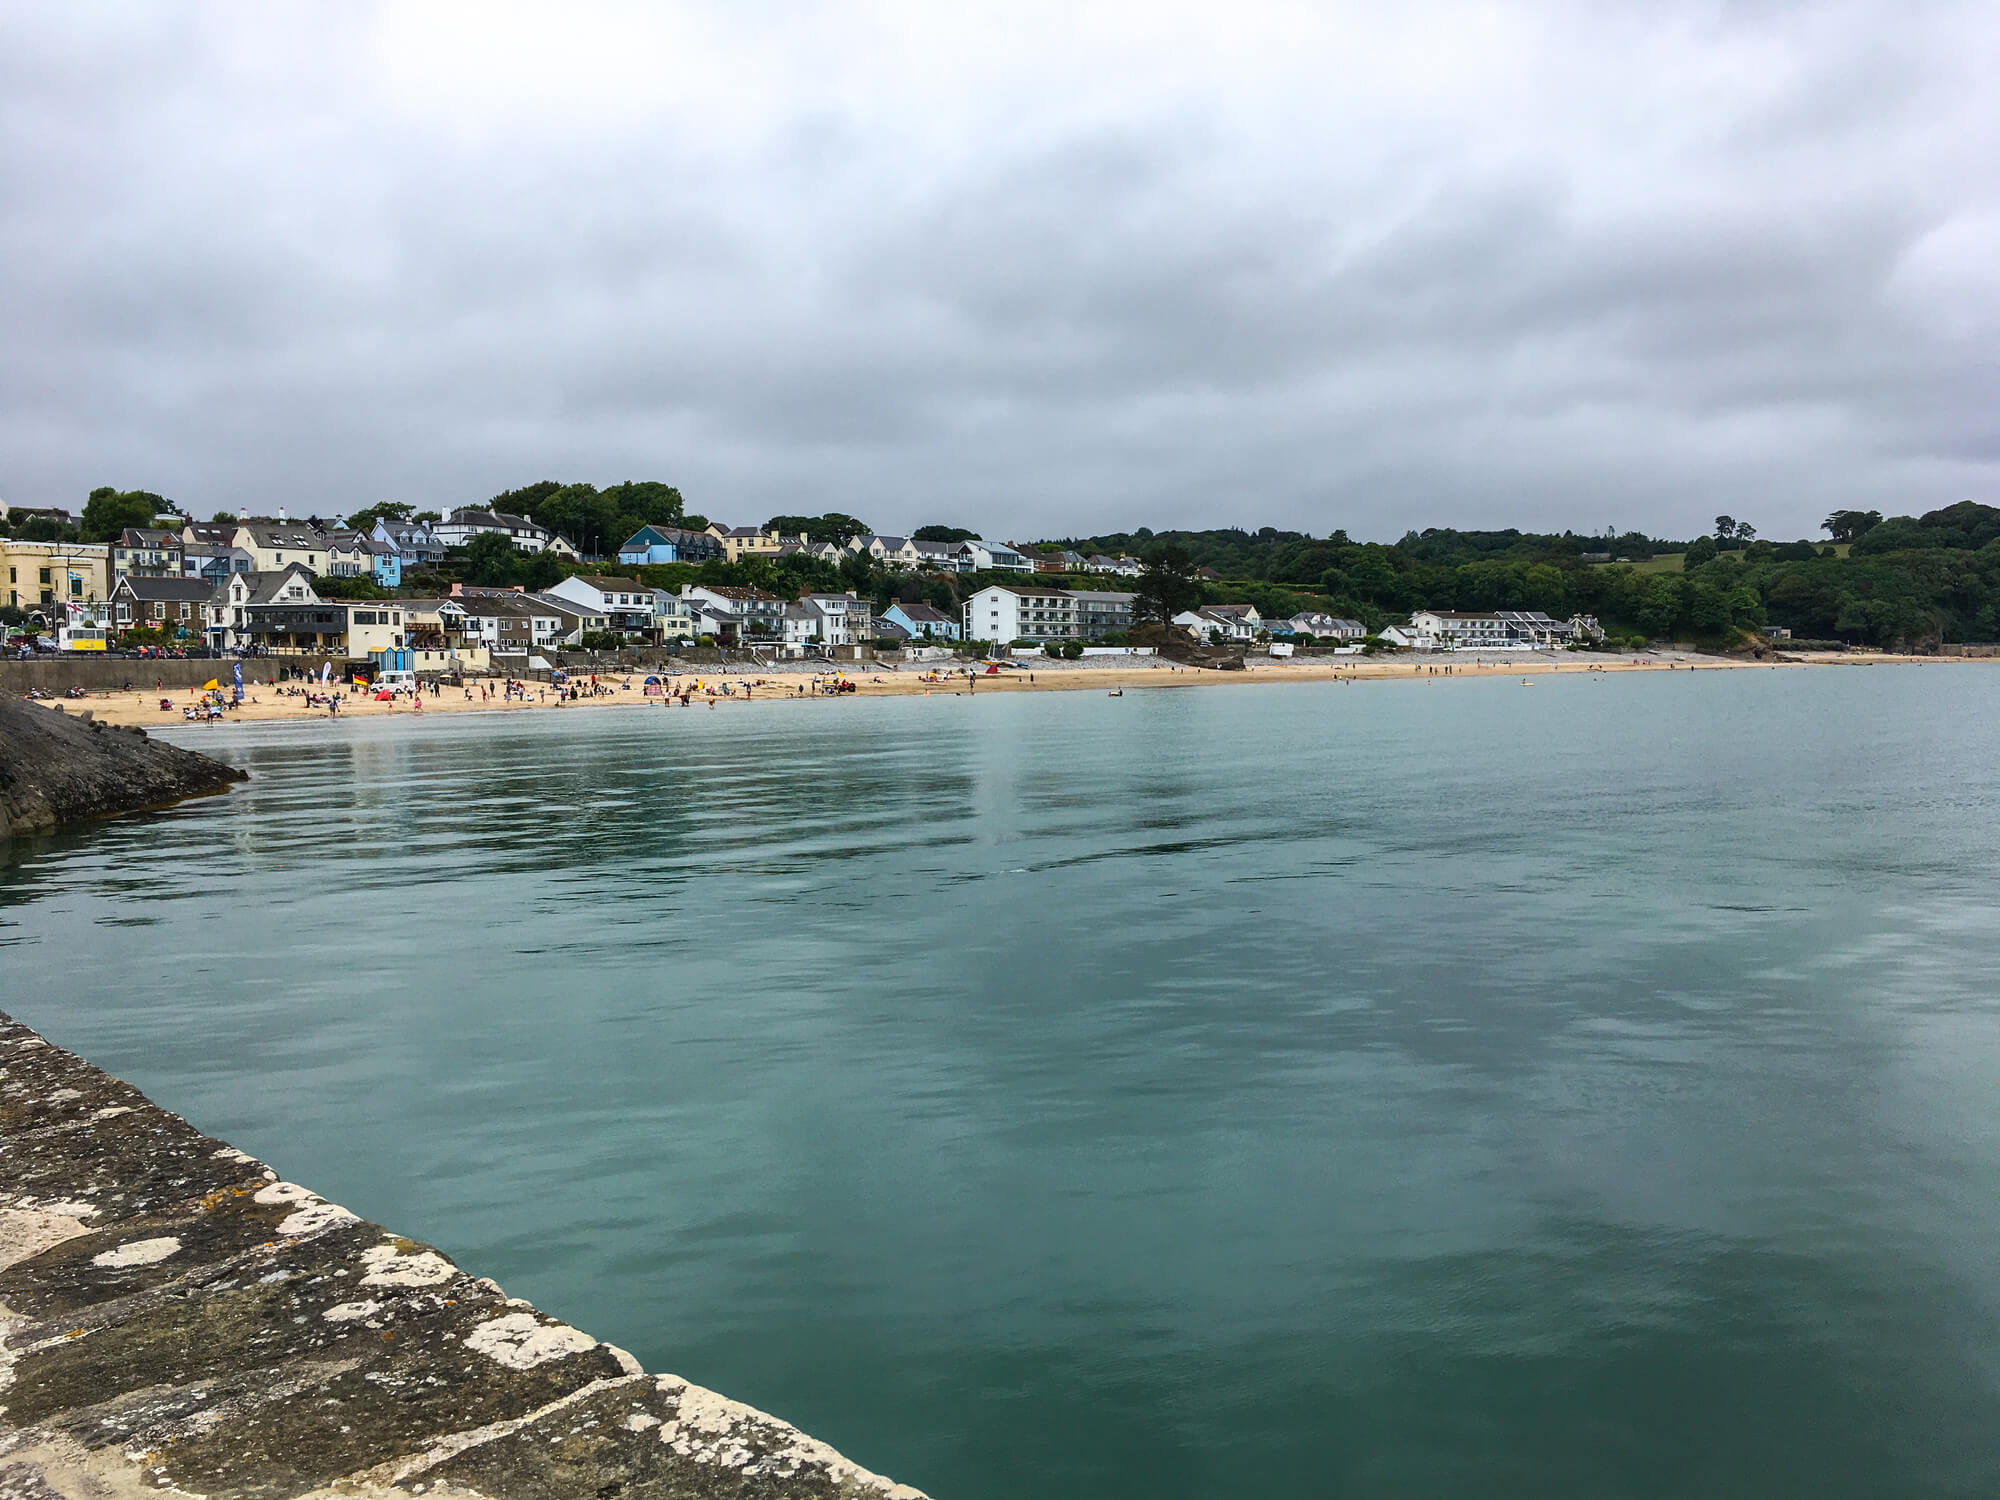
point(1037, 269)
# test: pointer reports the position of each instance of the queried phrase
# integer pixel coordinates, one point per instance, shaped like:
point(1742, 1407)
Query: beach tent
point(652, 680)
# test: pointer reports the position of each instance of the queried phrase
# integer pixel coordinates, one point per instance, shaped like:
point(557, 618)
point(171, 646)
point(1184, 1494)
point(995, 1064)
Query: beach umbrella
point(650, 680)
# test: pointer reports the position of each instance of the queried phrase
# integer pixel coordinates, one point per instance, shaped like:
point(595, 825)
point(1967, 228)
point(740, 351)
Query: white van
point(395, 682)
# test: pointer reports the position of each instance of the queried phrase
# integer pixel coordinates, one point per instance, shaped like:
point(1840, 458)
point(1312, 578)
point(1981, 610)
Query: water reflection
point(1401, 1090)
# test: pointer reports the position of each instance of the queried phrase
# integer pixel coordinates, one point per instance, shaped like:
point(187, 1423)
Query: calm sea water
point(1417, 1090)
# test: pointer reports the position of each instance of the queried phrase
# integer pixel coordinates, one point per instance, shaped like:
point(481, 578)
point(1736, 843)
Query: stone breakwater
point(57, 768)
point(176, 1319)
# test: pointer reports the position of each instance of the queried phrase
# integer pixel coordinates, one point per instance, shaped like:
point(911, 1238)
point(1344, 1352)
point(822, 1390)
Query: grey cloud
point(240, 266)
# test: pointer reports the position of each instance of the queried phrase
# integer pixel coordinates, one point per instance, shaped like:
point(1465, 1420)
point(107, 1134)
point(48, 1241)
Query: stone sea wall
point(176, 1319)
point(109, 674)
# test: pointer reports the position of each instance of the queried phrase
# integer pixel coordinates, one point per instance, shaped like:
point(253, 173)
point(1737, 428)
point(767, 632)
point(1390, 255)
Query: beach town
point(304, 619)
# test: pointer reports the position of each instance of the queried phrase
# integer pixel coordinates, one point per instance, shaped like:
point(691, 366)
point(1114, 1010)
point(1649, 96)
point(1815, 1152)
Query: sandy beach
point(798, 682)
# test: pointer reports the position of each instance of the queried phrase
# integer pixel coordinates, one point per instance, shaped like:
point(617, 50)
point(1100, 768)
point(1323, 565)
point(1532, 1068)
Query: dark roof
point(497, 519)
point(147, 536)
point(612, 585)
point(924, 614)
point(167, 590)
point(264, 586)
point(728, 591)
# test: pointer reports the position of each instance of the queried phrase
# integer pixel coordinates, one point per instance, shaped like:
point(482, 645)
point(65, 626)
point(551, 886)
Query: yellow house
point(34, 574)
point(747, 541)
point(278, 545)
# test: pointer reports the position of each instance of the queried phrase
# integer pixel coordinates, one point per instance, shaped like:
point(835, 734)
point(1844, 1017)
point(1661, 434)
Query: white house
point(844, 620)
point(626, 602)
point(1244, 621)
point(1122, 566)
point(732, 614)
point(1219, 622)
point(226, 617)
point(1495, 630)
point(1321, 627)
point(672, 617)
point(461, 526)
point(987, 557)
point(1006, 612)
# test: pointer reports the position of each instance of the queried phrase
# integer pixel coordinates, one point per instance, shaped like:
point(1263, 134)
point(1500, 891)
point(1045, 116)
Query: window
point(45, 575)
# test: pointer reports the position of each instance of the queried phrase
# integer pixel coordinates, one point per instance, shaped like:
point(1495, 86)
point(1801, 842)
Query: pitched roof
point(923, 614)
point(264, 587)
point(147, 536)
point(284, 534)
point(647, 536)
point(498, 520)
point(166, 590)
point(729, 591)
point(610, 585)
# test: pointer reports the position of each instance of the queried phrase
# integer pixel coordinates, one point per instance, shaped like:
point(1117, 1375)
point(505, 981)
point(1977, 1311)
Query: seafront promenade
point(176, 1318)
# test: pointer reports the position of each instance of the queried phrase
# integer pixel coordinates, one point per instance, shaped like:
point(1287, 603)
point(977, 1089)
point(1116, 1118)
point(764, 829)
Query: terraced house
point(145, 552)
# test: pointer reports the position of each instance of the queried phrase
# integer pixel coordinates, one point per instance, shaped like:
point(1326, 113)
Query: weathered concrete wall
point(174, 1318)
point(109, 674)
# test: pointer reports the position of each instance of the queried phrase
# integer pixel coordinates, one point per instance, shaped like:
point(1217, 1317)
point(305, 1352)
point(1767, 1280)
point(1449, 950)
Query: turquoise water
point(1426, 1089)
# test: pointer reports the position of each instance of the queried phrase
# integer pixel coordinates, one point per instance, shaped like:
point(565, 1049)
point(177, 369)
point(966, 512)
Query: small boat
point(1115, 693)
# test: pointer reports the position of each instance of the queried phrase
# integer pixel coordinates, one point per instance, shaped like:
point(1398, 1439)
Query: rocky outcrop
point(174, 1318)
point(57, 767)
point(1178, 643)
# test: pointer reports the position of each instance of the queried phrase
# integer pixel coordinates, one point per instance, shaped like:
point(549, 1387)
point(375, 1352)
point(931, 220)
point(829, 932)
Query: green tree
point(349, 588)
point(646, 502)
point(527, 500)
point(1847, 525)
point(942, 534)
point(1701, 550)
point(1725, 528)
point(388, 510)
point(490, 561)
point(831, 527)
point(108, 512)
point(1167, 584)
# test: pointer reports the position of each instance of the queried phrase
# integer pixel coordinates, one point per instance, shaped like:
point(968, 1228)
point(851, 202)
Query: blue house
point(922, 620)
point(387, 563)
point(649, 544)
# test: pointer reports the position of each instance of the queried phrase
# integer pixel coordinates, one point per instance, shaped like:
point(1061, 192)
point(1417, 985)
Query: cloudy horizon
point(1036, 270)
